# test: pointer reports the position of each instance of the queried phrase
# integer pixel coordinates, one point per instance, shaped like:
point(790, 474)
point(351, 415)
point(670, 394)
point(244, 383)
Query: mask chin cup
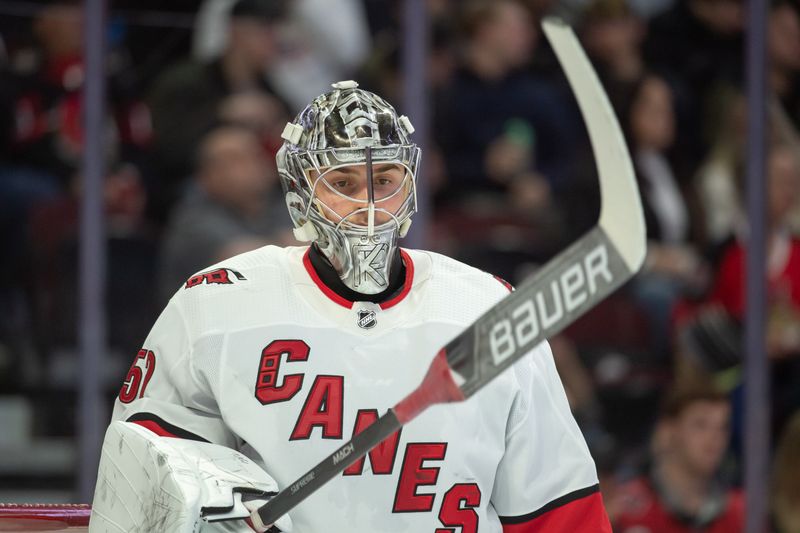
point(404, 227)
point(306, 233)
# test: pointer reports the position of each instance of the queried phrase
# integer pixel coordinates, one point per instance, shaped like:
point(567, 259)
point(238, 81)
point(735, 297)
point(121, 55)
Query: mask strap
point(370, 194)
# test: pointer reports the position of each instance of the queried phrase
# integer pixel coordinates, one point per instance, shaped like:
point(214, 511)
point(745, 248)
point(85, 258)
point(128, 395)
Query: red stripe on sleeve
point(584, 515)
point(154, 427)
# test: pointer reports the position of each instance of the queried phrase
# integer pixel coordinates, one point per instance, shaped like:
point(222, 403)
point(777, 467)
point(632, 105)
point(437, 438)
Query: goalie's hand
point(283, 525)
point(238, 518)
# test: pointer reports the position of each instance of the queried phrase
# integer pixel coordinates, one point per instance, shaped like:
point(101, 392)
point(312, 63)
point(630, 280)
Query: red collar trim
point(347, 303)
point(406, 284)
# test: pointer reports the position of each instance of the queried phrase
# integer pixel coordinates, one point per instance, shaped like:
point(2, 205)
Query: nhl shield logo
point(366, 319)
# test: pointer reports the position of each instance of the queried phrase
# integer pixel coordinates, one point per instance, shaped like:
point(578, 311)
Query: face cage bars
point(331, 158)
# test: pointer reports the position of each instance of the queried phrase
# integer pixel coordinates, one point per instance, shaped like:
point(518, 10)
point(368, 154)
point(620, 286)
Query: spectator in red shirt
point(783, 261)
point(683, 491)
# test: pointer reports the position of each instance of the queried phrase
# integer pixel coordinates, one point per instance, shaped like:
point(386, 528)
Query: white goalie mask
point(348, 172)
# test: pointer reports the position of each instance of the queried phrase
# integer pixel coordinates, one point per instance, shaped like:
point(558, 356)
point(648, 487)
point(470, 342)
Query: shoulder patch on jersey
point(220, 276)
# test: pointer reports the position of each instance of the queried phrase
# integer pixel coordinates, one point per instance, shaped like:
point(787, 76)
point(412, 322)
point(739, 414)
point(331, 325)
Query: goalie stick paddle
point(569, 285)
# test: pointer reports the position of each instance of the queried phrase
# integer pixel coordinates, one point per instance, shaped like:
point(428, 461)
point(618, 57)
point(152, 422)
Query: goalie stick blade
point(622, 221)
point(569, 285)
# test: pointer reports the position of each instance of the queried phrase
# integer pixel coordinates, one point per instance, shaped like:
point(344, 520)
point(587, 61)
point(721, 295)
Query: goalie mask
point(347, 169)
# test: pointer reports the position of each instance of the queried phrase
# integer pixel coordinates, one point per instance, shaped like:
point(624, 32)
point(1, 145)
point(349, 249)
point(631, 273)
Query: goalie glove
point(151, 483)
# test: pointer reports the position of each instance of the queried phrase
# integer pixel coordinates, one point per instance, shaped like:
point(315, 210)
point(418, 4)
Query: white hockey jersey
point(257, 354)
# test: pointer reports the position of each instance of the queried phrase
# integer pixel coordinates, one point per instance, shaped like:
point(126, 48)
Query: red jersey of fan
point(783, 280)
point(643, 511)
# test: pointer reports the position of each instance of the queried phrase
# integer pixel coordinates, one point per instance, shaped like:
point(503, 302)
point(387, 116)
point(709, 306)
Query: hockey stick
point(565, 288)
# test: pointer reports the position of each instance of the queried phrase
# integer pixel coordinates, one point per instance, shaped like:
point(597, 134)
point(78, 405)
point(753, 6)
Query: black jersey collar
point(328, 280)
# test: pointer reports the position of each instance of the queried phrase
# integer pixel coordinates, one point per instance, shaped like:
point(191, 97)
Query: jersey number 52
point(138, 376)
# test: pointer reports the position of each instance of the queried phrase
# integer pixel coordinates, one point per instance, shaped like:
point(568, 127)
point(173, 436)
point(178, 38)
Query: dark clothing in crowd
point(694, 60)
point(671, 210)
point(681, 44)
point(473, 112)
point(185, 103)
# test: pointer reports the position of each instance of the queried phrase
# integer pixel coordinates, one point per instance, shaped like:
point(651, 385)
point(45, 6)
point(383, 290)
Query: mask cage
point(407, 156)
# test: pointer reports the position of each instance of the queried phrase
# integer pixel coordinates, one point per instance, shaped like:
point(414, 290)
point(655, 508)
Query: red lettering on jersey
point(382, 456)
point(219, 276)
point(267, 389)
point(414, 474)
point(458, 508)
point(323, 408)
point(194, 281)
point(136, 380)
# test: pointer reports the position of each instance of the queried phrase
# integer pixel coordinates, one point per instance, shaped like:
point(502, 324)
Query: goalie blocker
point(171, 484)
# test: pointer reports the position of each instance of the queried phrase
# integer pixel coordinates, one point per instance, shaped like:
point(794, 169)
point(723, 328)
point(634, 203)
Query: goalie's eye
point(343, 184)
point(385, 186)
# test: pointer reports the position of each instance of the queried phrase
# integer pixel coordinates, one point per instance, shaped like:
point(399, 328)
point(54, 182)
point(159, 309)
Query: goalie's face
point(344, 197)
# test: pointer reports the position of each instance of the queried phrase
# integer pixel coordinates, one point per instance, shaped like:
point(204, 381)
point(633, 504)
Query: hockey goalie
point(268, 361)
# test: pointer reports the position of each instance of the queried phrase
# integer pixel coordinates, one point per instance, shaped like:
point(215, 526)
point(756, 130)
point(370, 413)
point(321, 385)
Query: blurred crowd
point(198, 96)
